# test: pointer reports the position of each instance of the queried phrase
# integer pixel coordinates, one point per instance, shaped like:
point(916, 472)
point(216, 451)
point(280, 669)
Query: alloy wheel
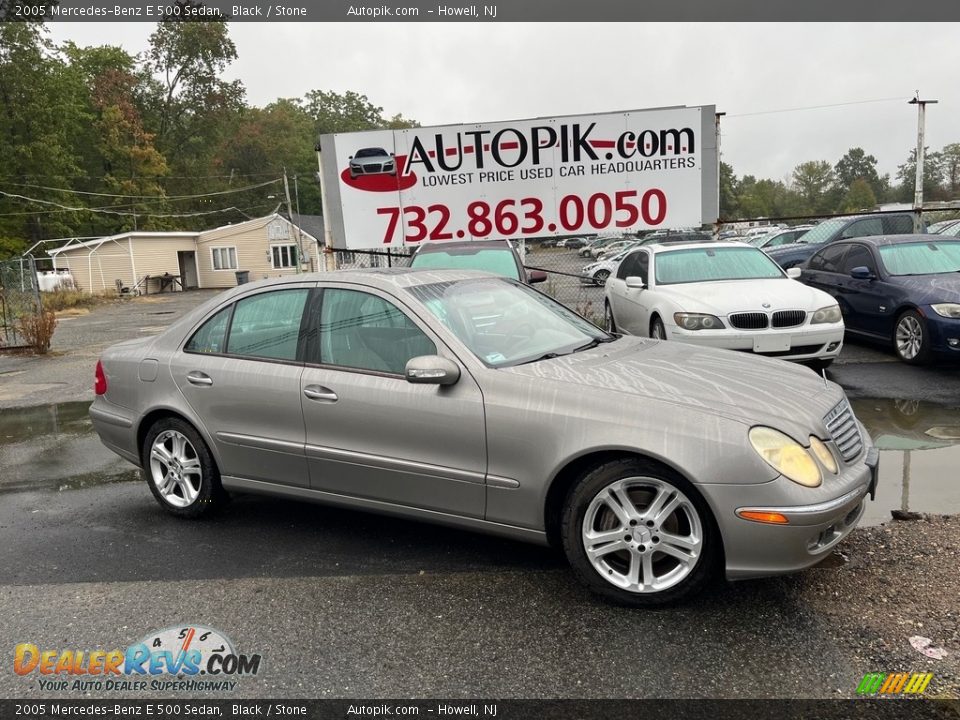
point(175, 468)
point(909, 337)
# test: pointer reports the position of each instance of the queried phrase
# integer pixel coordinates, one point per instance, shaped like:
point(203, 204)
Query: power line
point(103, 211)
point(147, 197)
point(814, 107)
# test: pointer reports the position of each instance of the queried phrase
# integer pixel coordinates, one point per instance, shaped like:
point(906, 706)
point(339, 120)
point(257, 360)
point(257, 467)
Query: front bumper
point(805, 342)
point(755, 549)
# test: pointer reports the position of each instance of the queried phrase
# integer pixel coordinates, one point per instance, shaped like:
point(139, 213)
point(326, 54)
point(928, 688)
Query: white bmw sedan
point(724, 295)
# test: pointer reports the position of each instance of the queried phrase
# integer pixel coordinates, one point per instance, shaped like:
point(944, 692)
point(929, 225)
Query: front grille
point(788, 318)
point(749, 320)
point(372, 168)
point(843, 429)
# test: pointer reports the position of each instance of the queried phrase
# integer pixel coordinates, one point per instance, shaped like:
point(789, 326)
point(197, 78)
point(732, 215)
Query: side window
point(268, 325)
point(211, 335)
point(363, 331)
point(864, 228)
point(627, 266)
point(643, 266)
point(898, 224)
point(859, 256)
point(828, 259)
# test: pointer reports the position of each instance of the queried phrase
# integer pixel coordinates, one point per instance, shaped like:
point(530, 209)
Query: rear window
point(492, 260)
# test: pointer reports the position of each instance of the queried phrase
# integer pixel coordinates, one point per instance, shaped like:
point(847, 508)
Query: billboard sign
point(614, 172)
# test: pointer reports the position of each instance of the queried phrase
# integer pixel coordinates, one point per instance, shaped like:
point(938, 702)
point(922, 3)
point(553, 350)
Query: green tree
point(813, 182)
point(729, 187)
point(950, 156)
point(186, 105)
point(932, 177)
point(854, 165)
point(41, 104)
point(858, 197)
point(349, 112)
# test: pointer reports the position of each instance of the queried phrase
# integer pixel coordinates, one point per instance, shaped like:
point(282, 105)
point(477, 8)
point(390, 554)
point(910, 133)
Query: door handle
point(199, 378)
point(319, 392)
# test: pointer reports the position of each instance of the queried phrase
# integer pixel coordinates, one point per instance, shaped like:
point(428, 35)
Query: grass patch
point(58, 300)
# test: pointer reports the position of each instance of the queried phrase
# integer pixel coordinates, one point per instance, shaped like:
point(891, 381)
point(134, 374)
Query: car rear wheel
point(911, 341)
point(657, 330)
point(180, 469)
point(639, 534)
point(601, 276)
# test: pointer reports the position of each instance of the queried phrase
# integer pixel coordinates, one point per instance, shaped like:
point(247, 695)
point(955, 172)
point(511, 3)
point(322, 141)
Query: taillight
point(99, 380)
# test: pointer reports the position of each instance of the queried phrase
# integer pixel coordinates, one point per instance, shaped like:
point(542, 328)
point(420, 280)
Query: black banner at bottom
point(489, 709)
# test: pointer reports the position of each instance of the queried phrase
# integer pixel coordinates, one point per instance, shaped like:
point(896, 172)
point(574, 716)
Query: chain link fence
point(19, 298)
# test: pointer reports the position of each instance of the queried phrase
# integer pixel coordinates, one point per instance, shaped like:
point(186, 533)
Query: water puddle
point(54, 447)
point(919, 446)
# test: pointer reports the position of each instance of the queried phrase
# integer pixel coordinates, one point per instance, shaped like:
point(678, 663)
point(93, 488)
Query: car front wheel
point(657, 330)
point(601, 277)
point(638, 533)
point(180, 469)
point(910, 338)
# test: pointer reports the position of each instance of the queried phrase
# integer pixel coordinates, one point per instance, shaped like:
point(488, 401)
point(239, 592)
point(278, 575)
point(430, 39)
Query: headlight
point(947, 310)
point(697, 321)
point(829, 314)
point(826, 458)
point(590, 268)
point(786, 456)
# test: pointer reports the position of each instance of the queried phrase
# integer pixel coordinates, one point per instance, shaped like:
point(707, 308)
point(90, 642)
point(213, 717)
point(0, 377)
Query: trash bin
point(243, 276)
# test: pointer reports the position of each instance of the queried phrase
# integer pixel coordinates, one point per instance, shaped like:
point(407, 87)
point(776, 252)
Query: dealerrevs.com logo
point(187, 658)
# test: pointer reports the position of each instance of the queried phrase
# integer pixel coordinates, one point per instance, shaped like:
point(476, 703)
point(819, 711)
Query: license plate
point(771, 343)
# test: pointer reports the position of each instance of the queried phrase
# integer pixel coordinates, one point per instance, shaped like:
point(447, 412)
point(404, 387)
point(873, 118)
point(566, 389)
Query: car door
point(371, 434)
point(823, 270)
point(240, 373)
point(868, 303)
point(628, 305)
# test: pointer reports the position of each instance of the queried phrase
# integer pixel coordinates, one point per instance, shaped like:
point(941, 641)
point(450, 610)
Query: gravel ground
point(902, 580)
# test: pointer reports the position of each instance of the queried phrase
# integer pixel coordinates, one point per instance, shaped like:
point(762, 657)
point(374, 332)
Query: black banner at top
point(489, 11)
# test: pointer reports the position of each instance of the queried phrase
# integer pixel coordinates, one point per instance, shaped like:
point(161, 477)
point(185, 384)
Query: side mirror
point(536, 276)
point(635, 283)
point(861, 273)
point(391, 155)
point(431, 370)
point(350, 158)
point(794, 273)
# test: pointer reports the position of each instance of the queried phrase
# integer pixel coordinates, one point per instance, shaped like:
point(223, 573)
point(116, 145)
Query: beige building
point(149, 262)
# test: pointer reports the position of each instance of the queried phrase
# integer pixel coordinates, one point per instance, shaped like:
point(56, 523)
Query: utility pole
point(286, 190)
point(918, 187)
point(331, 263)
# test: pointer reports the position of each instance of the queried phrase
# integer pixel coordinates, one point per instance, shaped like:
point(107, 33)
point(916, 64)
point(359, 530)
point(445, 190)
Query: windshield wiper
point(545, 356)
point(593, 343)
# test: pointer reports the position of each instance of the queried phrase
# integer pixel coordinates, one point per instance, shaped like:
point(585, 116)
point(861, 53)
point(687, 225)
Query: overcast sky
point(442, 73)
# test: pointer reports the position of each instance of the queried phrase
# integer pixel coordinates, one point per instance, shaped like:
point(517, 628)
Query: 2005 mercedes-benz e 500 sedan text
point(462, 398)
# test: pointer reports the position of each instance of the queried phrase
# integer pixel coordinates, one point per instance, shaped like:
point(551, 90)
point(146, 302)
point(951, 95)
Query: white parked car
point(598, 272)
point(613, 248)
point(724, 295)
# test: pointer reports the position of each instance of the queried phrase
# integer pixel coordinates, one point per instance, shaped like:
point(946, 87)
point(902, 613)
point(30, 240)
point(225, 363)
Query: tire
point(911, 341)
point(601, 277)
point(608, 510)
point(657, 330)
point(609, 324)
point(180, 470)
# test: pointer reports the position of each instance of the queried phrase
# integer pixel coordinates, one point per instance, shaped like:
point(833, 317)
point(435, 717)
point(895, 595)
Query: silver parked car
point(471, 400)
point(372, 161)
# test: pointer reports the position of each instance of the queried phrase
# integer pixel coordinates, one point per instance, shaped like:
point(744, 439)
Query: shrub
point(38, 330)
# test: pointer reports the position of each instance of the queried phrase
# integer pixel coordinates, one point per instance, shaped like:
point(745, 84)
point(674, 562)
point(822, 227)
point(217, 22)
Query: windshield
point(822, 232)
point(499, 261)
point(758, 240)
point(370, 152)
point(921, 258)
point(708, 264)
point(505, 323)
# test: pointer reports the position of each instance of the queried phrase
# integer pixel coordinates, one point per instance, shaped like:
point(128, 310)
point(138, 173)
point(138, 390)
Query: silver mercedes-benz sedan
point(475, 401)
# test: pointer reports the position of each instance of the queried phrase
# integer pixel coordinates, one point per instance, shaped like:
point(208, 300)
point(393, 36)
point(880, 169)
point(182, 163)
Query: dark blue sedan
point(903, 290)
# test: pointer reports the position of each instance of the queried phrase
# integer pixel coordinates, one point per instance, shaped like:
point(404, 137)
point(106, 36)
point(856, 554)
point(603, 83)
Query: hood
point(722, 298)
point(744, 387)
point(927, 289)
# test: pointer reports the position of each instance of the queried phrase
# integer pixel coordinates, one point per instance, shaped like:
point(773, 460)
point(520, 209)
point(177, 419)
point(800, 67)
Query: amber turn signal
point(771, 518)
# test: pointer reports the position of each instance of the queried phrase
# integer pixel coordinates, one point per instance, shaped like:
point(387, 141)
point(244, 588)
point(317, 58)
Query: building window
point(224, 258)
point(283, 256)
